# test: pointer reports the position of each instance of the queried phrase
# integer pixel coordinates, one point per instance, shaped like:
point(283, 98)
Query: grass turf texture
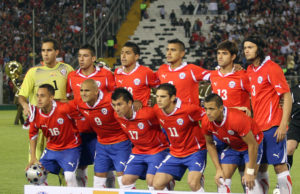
point(14, 157)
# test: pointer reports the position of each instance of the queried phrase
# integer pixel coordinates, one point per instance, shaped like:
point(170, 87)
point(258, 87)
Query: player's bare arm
point(211, 148)
point(287, 107)
point(244, 109)
point(25, 105)
point(251, 166)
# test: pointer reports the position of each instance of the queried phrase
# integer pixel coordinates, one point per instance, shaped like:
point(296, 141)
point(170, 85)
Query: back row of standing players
point(177, 112)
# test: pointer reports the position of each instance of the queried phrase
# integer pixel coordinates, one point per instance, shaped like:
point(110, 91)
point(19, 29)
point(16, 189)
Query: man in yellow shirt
point(50, 72)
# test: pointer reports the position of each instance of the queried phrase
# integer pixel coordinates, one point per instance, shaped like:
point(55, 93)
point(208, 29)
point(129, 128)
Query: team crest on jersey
point(137, 81)
point(182, 75)
point(104, 111)
point(180, 121)
point(231, 84)
point(98, 83)
point(230, 132)
point(63, 72)
point(141, 125)
point(60, 121)
point(259, 79)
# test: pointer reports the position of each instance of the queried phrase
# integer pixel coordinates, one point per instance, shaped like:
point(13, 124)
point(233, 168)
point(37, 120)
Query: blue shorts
point(177, 166)
point(88, 148)
point(143, 164)
point(220, 145)
point(231, 156)
point(112, 156)
point(67, 159)
point(274, 152)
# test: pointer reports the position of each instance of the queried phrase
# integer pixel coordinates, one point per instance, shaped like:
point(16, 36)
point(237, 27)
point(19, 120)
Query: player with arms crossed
point(187, 143)
point(105, 81)
point(149, 142)
point(50, 72)
point(113, 147)
point(242, 136)
point(268, 85)
point(185, 77)
point(136, 78)
point(63, 141)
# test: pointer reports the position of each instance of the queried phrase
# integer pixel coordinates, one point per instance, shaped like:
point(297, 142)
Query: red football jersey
point(144, 131)
point(182, 127)
point(138, 82)
point(267, 85)
point(235, 125)
point(101, 118)
point(57, 127)
point(186, 80)
point(105, 81)
point(233, 88)
point(103, 77)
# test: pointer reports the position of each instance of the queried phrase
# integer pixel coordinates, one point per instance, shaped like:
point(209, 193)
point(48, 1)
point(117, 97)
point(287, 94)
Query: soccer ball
point(36, 174)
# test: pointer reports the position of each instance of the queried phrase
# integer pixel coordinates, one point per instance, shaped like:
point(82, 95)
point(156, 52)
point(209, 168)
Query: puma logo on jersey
point(215, 132)
point(71, 164)
point(278, 86)
point(164, 76)
point(215, 83)
point(276, 155)
point(123, 125)
point(86, 112)
point(79, 85)
point(120, 81)
point(162, 121)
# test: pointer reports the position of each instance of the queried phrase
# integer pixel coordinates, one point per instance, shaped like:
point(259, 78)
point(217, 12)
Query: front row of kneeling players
point(118, 126)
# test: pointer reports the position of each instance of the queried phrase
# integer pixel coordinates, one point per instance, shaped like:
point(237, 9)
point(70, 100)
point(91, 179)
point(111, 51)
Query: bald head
point(89, 91)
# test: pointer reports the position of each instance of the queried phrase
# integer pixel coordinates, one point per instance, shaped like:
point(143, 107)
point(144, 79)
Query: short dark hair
point(135, 47)
point(167, 87)
point(90, 48)
point(260, 45)
point(49, 87)
point(214, 98)
point(179, 42)
point(228, 45)
point(54, 42)
point(122, 92)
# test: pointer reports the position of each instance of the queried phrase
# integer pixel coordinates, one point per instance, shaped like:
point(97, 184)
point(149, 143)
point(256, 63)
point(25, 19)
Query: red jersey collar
point(262, 64)
point(137, 65)
point(54, 105)
point(97, 69)
point(100, 97)
point(183, 64)
point(225, 111)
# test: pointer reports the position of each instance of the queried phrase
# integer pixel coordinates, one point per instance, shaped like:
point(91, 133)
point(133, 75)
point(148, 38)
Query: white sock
point(111, 181)
point(81, 177)
point(99, 182)
point(257, 189)
point(70, 178)
point(120, 181)
point(151, 188)
point(284, 182)
point(263, 179)
point(201, 190)
point(225, 187)
point(131, 186)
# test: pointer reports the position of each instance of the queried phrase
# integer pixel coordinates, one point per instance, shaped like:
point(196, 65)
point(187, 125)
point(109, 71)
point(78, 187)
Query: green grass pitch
point(14, 157)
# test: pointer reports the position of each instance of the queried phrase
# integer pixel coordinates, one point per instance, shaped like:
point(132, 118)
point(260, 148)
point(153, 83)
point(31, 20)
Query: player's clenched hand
point(26, 110)
point(219, 176)
point(31, 162)
point(280, 133)
point(248, 180)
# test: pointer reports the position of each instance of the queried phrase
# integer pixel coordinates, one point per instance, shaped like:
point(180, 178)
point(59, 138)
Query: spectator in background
point(172, 16)
point(213, 7)
point(183, 8)
point(180, 22)
point(187, 28)
point(143, 7)
point(191, 8)
point(162, 12)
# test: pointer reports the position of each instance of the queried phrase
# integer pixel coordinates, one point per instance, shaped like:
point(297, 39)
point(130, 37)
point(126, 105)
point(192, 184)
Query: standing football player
point(187, 143)
point(105, 82)
point(243, 137)
point(63, 141)
point(268, 85)
point(136, 78)
point(149, 142)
